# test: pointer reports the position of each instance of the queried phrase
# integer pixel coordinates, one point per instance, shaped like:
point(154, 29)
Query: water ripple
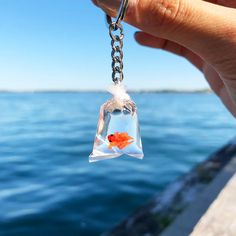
point(47, 185)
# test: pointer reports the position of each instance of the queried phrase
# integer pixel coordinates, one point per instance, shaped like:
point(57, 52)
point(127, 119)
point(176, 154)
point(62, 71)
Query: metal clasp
point(120, 16)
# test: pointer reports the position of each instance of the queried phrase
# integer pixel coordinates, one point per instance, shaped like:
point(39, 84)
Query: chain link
point(117, 53)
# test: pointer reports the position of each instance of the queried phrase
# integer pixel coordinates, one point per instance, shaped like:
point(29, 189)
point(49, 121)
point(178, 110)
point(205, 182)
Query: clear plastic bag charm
point(118, 128)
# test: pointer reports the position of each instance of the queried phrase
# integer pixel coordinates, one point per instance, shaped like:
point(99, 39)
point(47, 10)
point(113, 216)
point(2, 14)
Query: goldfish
point(120, 140)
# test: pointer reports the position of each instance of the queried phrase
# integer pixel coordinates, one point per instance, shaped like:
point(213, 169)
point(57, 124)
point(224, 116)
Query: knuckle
point(163, 13)
point(224, 58)
point(168, 9)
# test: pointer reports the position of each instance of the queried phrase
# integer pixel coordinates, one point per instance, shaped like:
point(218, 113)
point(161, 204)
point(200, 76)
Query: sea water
point(47, 185)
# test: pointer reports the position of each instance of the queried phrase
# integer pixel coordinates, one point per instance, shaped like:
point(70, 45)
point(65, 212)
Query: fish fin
point(124, 144)
point(110, 145)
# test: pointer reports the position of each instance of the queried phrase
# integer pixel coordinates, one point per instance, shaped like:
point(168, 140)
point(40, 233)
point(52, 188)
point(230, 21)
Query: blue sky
point(61, 44)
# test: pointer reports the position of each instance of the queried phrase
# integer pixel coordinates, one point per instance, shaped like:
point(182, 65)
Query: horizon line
point(203, 90)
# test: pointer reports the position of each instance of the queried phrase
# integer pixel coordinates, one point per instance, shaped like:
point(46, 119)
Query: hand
point(202, 32)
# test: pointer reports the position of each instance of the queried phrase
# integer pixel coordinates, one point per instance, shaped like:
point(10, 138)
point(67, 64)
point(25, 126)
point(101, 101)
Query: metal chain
point(117, 53)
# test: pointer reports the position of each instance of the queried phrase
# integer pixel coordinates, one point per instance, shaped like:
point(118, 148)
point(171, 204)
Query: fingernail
point(110, 5)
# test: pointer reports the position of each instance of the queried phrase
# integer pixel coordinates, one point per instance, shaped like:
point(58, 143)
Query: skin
point(203, 32)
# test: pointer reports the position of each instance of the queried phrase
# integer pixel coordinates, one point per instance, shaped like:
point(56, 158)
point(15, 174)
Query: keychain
point(118, 130)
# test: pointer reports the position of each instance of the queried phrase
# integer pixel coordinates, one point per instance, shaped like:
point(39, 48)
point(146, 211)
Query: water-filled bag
point(118, 130)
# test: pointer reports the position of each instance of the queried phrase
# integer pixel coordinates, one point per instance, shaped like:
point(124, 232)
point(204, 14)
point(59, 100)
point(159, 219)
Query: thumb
point(198, 25)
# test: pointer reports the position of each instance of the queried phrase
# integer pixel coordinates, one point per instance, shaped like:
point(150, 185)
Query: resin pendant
point(118, 130)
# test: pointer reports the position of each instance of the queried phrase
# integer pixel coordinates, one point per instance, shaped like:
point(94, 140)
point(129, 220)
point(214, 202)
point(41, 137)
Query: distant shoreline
point(104, 91)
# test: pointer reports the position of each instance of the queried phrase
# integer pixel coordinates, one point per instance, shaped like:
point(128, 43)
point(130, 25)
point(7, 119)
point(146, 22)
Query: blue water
point(48, 187)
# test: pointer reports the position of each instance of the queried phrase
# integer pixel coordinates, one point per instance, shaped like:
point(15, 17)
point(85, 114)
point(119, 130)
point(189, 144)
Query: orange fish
point(120, 140)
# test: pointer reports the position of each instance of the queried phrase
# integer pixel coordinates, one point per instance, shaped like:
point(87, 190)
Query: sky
point(64, 45)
